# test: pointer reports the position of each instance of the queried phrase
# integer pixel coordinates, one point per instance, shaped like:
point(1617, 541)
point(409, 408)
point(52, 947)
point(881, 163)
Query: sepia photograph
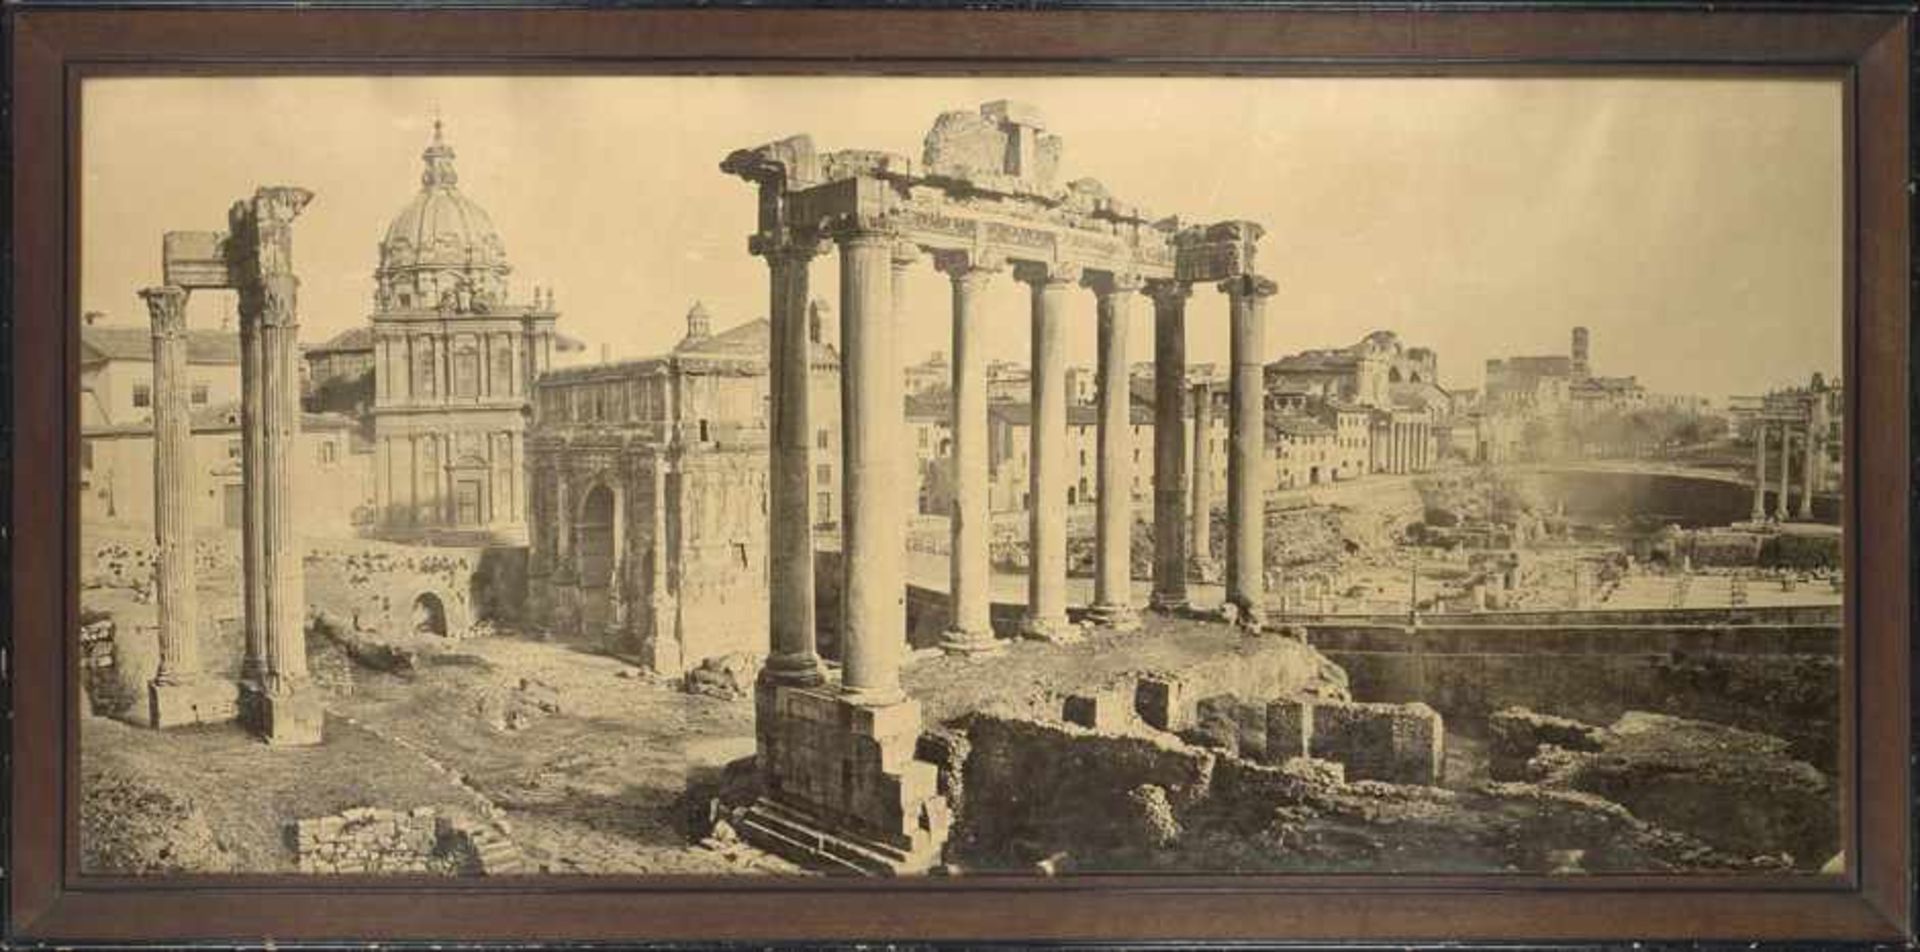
point(998, 475)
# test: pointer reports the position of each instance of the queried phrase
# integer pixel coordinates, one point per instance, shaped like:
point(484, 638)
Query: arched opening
point(1393, 375)
point(1415, 377)
point(429, 615)
point(593, 544)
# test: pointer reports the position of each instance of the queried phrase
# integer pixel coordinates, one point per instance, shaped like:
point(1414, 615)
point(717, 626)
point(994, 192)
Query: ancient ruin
point(255, 258)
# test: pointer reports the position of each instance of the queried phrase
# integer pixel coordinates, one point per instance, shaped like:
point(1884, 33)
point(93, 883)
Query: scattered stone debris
point(1736, 790)
point(724, 676)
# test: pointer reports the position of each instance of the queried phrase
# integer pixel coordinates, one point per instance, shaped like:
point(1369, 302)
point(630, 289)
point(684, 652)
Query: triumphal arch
point(840, 783)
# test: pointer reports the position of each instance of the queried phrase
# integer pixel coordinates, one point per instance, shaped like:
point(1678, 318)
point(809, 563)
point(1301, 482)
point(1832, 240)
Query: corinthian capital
point(965, 264)
point(786, 244)
point(167, 309)
point(1038, 273)
point(1249, 285)
point(1167, 292)
point(279, 204)
point(1112, 282)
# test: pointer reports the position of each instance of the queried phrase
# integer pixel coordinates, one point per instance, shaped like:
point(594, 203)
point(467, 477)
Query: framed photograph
point(1069, 475)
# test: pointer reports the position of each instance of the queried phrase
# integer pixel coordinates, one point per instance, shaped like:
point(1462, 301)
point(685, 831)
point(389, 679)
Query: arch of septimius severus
point(255, 259)
point(836, 761)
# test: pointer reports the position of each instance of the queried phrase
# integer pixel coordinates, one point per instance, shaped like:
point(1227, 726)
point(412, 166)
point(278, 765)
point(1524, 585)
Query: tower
point(1581, 366)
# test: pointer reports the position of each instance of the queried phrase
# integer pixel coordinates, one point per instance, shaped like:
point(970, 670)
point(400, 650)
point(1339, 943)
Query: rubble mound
point(1515, 735)
point(137, 829)
point(1738, 791)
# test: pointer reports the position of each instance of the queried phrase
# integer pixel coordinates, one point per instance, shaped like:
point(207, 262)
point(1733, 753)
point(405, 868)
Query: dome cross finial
point(439, 158)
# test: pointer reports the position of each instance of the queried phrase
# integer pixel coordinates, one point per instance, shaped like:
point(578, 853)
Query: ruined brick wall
point(370, 840)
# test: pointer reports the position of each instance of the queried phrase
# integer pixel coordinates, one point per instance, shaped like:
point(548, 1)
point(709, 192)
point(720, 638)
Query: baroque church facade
point(455, 361)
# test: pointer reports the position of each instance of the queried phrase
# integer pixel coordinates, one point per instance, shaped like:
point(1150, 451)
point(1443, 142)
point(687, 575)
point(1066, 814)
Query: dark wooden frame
point(1867, 48)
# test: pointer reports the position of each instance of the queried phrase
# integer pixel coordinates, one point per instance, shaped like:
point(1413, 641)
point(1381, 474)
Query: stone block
point(289, 720)
point(198, 700)
point(1163, 702)
point(842, 774)
point(1289, 730)
point(1108, 710)
point(1397, 743)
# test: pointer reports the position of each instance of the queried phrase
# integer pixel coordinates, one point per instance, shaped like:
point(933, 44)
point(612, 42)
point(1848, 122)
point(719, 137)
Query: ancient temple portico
point(254, 258)
point(840, 785)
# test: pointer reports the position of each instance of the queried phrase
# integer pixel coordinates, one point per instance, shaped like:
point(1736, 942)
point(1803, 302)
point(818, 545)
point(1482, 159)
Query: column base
point(798, 837)
point(292, 719)
point(193, 700)
point(1056, 629)
point(792, 671)
point(971, 643)
point(1169, 603)
point(841, 789)
point(1114, 617)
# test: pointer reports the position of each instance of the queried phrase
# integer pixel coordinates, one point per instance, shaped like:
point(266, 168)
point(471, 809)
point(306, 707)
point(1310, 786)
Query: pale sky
point(1693, 225)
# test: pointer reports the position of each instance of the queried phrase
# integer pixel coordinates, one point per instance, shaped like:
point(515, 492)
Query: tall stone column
point(1200, 518)
point(180, 692)
point(1786, 459)
point(288, 711)
point(1113, 533)
point(1047, 452)
point(1807, 474)
point(1246, 459)
point(253, 577)
point(1169, 444)
point(874, 471)
point(792, 658)
point(970, 570)
point(1759, 513)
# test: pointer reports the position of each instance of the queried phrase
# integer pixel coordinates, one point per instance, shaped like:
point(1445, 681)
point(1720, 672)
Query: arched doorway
point(429, 616)
point(593, 545)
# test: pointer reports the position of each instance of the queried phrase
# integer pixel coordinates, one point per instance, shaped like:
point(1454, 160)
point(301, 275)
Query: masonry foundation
point(840, 788)
point(197, 699)
point(292, 719)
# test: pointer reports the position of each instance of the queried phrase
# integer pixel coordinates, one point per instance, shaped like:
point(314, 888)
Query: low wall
point(1782, 680)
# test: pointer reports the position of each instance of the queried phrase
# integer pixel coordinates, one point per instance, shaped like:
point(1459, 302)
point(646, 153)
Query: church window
point(466, 372)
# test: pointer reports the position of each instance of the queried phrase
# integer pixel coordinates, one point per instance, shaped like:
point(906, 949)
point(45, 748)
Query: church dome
point(440, 242)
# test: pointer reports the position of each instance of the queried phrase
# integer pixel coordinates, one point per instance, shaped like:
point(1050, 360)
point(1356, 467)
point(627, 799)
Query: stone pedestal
point(840, 788)
point(198, 699)
point(287, 719)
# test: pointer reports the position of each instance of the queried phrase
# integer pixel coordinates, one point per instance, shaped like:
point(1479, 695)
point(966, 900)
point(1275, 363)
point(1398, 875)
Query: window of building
point(233, 449)
point(466, 373)
point(328, 452)
point(142, 395)
point(923, 437)
point(825, 505)
point(824, 472)
point(199, 394)
point(820, 439)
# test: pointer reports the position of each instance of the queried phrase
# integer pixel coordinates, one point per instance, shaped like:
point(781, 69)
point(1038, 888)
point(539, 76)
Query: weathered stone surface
point(1515, 735)
point(1736, 790)
point(1398, 743)
point(1034, 789)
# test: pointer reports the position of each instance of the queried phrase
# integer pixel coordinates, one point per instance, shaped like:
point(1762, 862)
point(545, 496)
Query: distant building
point(1302, 450)
point(332, 475)
point(648, 491)
point(1360, 373)
point(934, 373)
point(116, 372)
point(454, 365)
